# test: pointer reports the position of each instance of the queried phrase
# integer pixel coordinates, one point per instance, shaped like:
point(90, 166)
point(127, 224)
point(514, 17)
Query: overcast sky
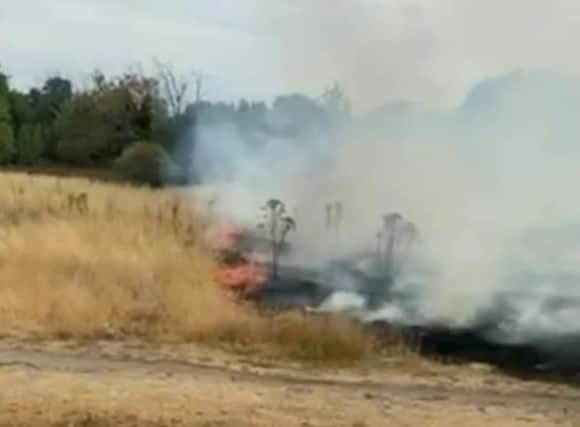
point(381, 50)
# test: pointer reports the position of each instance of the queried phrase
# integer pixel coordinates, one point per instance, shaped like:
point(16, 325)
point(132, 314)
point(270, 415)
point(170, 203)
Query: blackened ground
point(299, 288)
point(291, 293)
point(557, 362)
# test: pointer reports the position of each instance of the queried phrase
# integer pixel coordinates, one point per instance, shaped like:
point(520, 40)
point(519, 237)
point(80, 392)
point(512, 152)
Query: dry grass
point(85, 260)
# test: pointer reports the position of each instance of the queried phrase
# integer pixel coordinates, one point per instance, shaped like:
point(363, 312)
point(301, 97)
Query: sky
point(427, 51)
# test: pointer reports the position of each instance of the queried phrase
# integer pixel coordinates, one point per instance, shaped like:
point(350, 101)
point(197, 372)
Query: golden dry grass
point(132, 263)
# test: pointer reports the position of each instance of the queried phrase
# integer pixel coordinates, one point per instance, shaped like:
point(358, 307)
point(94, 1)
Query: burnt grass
point(555, 362)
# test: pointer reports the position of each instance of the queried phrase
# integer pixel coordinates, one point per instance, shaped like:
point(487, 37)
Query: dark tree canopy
point(105, 123)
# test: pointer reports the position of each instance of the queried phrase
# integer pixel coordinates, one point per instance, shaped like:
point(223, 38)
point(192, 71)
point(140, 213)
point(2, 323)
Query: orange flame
point(244, 274)
point(245, 278)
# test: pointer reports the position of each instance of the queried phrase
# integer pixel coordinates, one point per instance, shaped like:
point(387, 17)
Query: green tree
point(94, 127)
point(48, 101)
point(29, 145)
point(6, 132)
point(81, 135)
point(146, 162)
point(4, 87)
point(6, 143)
point(42, 106)
point(21, 111)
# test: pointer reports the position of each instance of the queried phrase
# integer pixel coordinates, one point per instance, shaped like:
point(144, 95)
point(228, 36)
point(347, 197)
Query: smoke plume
point(490, 187)
point(379, 50)
point(489, 184)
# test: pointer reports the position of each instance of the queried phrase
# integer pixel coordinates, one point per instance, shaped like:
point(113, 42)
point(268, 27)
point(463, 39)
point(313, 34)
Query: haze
point(424, 51)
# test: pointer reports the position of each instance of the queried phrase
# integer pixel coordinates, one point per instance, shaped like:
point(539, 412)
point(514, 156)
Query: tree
point(298, 108)
point(81, 135)
point(21, 111)
point(277, 224)
point(48, 101)
point(297, 116)
point(243, 107)
point(43, 106)
point(391, 227)
point(95, 126)
point(56, 91)
point(146, 162)
point(6, 132)
point(4, 87)
point(336, 102)
point(30, 144)
point(6, 143)
point(175, 88)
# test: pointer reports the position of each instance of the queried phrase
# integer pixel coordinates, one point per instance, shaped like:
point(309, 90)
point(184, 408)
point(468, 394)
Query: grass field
point(87, 260)
point(111, 316)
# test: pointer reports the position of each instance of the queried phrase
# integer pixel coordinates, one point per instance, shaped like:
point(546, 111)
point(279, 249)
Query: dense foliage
point(102, 126)
point(146, 162)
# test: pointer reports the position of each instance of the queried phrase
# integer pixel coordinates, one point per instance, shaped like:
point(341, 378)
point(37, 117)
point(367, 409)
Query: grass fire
point(136, 263)
point(291, 213)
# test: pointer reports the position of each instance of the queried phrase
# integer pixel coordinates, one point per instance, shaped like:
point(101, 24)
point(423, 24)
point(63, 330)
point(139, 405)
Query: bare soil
point(134, 384)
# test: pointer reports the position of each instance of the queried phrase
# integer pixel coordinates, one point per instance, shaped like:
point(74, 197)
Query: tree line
point(142, 127)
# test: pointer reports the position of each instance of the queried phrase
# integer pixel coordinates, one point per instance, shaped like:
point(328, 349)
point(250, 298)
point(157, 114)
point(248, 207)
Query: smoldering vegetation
point(488, 185)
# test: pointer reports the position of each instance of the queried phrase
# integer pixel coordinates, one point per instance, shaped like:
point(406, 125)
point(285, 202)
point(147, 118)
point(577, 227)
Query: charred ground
point(484, 340)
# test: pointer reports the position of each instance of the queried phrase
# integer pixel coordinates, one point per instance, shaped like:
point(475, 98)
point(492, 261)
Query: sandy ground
point(129, 385)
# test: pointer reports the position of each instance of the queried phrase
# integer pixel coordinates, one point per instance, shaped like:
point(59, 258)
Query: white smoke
point(490, 186)
point(379, 50)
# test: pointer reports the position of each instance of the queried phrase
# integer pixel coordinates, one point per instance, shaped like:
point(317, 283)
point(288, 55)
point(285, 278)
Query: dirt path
point(37, 387)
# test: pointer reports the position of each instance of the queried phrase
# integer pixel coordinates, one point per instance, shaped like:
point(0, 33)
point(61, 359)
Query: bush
point(146, 162)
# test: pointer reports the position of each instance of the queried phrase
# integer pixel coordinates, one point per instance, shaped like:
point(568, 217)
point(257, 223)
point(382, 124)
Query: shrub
point(146, 162)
